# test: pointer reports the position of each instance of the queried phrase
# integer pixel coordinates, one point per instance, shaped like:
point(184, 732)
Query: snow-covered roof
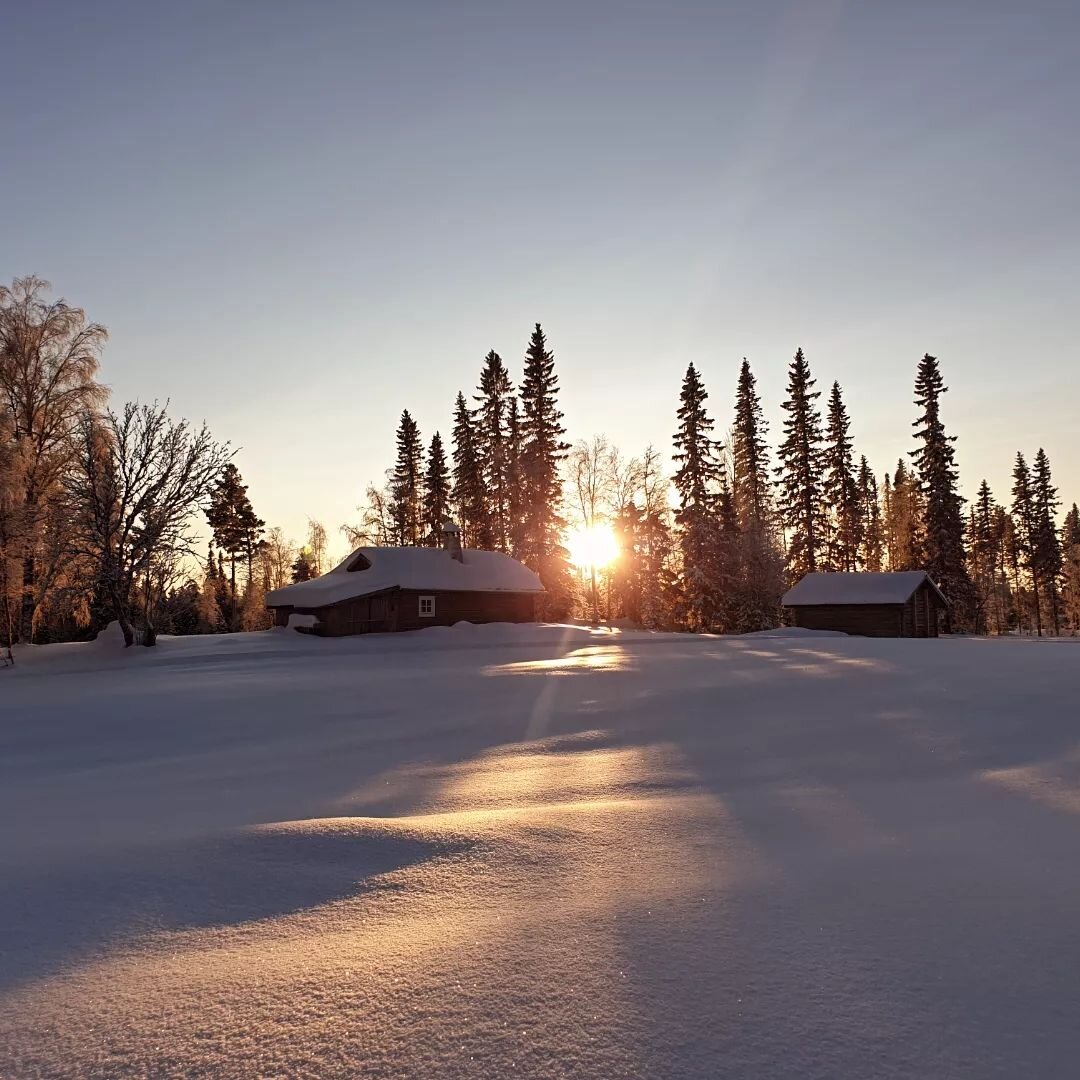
point(409, 568)
point(865, 588)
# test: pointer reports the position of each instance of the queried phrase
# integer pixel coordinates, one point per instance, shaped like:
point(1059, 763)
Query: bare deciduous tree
point(140, 477)
point(376, 528)
point(316, 544)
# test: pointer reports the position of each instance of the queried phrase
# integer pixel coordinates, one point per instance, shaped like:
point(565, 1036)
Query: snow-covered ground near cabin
point(541, 852)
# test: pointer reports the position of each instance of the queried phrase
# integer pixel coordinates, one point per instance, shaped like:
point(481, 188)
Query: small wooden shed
point(902, 604)
point(382, 590)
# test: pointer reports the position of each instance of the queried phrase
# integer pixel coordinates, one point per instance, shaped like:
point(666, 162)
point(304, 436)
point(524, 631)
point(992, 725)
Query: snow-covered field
point(541, 852)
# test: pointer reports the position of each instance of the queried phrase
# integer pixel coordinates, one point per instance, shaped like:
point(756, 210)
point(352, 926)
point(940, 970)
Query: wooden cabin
point(903, 604)
point(383, 590)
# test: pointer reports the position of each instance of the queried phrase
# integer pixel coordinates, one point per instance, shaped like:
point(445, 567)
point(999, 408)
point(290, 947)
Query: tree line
point(714, 545)
point(104, 512)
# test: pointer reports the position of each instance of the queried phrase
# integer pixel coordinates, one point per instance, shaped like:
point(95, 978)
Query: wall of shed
point(400, 610)
point(865, 620)
point(475, 607)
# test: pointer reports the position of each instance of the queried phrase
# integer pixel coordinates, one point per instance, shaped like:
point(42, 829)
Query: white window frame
point(426, 608)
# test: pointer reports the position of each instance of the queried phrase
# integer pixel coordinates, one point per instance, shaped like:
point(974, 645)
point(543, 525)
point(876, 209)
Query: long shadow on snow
point(52, 920)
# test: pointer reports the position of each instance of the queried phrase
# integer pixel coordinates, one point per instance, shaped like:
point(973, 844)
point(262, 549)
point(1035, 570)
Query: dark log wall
point(866, 620)
point(452, 607)
point(400, 610)
point(917, 618)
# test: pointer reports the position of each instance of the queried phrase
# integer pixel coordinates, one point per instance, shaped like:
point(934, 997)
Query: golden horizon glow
point(593, 547)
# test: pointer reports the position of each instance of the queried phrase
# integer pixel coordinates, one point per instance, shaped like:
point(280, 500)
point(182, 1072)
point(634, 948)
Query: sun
point(593, 547)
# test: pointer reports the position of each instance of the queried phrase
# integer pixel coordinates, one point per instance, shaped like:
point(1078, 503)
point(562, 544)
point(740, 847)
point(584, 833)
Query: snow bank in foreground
point(436, 855)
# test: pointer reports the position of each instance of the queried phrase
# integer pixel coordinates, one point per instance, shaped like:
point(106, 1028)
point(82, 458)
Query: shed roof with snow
point(818, 589)
point(375, 569)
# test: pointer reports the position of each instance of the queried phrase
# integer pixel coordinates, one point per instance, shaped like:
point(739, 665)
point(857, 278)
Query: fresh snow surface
point(860, 588)
point(302, 622)
point(540, 852)
point(410, 568)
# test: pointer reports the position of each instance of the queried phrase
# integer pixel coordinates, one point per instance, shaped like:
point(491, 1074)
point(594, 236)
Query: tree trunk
point(27, 607)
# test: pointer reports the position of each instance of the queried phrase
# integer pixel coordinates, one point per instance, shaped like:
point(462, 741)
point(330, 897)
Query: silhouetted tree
point(840, 487)
point(1023, 513)
point(873, 539)
point(469, 495)
point(236, 526)
point(405, 482)
point(935, 467)
point(436, 492)
point(491, 438)
point(302, 568)
point(799, 472)
point(542, 452)
point(1046, 559)
point(700, 481)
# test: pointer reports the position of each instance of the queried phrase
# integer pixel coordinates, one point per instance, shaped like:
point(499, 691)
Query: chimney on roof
point(452, 541)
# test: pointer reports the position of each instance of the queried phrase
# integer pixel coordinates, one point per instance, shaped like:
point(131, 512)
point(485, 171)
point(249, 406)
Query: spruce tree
point(542, 453)
point(751, 488)
point(436, 499)
point(515, 496)
point(405, 481)
point(935, 466)
point(1046, 545)
point(801, 503)
point(469, 482)
point(873, 541)
point(492, 437)
point(761, 560)
point(1023, 512)
point(984, 558)
point(703, 502)
point(302, 568)
point(840, 488)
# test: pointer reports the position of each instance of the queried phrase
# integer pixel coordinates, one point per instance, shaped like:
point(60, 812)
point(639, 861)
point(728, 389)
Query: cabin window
point(427, 607)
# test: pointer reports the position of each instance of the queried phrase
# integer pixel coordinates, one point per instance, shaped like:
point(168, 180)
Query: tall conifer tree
point(840, 487)
point(761, 569)
point(873, 542)
point(492, 436)
point(515, 479)
point(935, 466)
point(751, 488)
point(1046, 545)
point(469, 498)
point(1023, 512)
point(436, 497)
point(799, 472)
point(704, 513)
point(405, 483)
point(542, 453)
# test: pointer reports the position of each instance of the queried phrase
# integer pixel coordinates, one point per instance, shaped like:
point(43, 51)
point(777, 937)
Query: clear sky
point(298, 219)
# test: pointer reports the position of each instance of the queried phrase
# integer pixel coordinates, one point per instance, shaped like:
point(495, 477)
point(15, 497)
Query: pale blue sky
point(298, 219)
